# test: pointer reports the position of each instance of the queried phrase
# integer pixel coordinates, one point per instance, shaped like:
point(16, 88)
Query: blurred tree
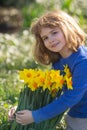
point(10, 20)
point(11, 16)
point(15, 3)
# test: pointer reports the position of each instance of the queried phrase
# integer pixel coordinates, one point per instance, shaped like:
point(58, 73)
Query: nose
point(51, 39)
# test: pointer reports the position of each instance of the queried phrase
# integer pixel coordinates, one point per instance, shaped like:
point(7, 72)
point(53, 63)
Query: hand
point(11, 113)
point(24, 117)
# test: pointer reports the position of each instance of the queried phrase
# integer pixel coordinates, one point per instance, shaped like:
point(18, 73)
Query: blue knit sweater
point(75, 100)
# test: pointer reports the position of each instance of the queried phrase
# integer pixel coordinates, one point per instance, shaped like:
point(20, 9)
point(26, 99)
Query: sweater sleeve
point(68, 99)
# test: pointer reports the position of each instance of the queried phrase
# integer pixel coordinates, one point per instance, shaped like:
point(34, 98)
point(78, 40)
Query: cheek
point(45, 44)
point(62, 38)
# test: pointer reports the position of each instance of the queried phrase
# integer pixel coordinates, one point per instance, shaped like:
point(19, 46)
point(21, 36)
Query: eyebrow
point(49, 32)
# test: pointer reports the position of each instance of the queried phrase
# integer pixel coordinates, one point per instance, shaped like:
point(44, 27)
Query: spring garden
point(16, 51)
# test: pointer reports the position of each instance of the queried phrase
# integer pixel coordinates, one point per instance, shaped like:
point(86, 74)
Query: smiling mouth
point(54, 45)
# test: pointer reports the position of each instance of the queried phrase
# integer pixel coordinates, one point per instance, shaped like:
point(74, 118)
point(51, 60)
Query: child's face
point(54, 39)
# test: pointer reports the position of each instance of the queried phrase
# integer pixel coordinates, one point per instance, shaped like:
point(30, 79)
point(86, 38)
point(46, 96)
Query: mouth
point(54, 45)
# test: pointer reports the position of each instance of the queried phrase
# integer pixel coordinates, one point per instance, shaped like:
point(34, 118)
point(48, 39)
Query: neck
point(66, 53)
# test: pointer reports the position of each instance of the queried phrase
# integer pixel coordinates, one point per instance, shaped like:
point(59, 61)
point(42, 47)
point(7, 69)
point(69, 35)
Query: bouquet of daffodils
point(41, 88)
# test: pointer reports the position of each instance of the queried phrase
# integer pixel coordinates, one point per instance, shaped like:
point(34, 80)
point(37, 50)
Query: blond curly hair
point(74, 35)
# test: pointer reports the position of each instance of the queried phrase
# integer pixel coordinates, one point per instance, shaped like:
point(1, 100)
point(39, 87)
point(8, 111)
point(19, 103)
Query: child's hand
point(11, 114)
point(24, 117)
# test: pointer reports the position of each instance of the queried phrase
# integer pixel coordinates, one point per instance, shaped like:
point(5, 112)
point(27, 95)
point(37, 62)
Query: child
point(60, 41)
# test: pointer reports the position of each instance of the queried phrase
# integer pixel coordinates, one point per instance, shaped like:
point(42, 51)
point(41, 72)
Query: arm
point(68, 99)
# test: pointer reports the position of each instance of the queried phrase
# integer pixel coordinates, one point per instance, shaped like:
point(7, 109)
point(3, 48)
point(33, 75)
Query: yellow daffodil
point(52, 80)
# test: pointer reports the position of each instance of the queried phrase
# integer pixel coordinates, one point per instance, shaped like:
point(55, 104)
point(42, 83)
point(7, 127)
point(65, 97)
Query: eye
point(45, 38)
point(55, 32)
